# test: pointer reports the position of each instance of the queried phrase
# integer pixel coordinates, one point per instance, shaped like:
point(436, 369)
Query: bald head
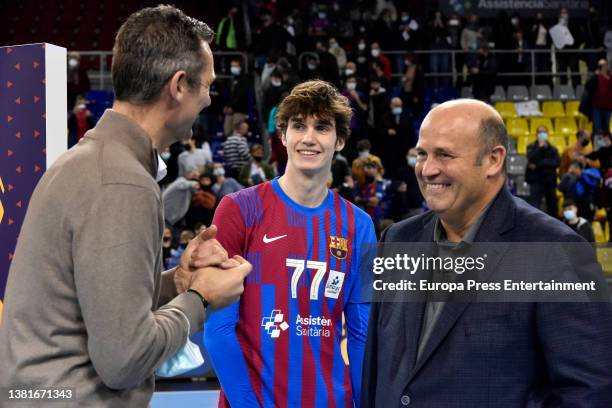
point(470, 116)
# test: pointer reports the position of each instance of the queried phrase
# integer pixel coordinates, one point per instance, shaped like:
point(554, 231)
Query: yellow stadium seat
point(583, 123)
point(537, 122)
point(571, 108)
point(559, 142)
point(506, 109)
point(565, 126)
point(522, 143)
point(517, 127)
point(553, 109)
point(604, 257)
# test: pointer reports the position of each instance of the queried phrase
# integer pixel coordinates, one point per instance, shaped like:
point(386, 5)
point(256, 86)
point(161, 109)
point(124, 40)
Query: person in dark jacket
point(237, 105)
point(483, 74)
point(580, 225)
point(542, 162)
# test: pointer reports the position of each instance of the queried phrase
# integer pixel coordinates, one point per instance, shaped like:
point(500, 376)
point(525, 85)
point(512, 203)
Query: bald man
point(467, 354)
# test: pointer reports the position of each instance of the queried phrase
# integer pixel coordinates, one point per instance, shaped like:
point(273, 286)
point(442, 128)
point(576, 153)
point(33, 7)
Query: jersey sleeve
point(357, 301)
point(220, 336)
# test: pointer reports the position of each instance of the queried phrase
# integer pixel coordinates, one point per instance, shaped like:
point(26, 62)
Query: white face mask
point(361, 46)
point(312, 67)
point(453, 22)
point(322, 15)
point(349, 72)
point(333, 44)
point(364, 154)
point(235, 70)
point(219, 171)
point(397, 111)
point(165, 155)
point(411, 161)
point(276, 83)
point(375, 52)
point(73, 63)
point(351, 86)
point(569, 215)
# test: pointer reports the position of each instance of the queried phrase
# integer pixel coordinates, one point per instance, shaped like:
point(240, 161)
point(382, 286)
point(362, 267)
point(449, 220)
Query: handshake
point(206, 268)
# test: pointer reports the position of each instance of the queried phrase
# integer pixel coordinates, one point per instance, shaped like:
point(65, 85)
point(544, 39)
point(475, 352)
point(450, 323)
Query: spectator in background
point(359, 106)
point(454, 31)
point(407, 198)
point(577, 151)
point(377, 106)
point(502, 38)
point(197, 154)
point(541, 174)
point(540, 38)
point(177, 197)
point(236, 149)
point(383, 31)
point(223, 185)
point(166, 247)
point(603, 155)
point(413, 85)
point(567, 185)
point(328, 67)
point(569, 60)
point(470, 39)
point(580, 225)
point(229, 31)
point(203, 202)
point(338, 52)
point(397, 137)
point(408, 34)
point(80, 121)
point(272, 94)
point(439, 39)
point(483, 74)
point(369, 194)
point(357, 167)
point(77, 79)
point(278, 152)
point(599, 89)
point(311, 69)
point(237, 104)
point(351, 71)
point(255, 171)
point(520, 62)
point(593, 39)
point(360, 57)
point(320, 25)
point(381, 60)
point(269, 38)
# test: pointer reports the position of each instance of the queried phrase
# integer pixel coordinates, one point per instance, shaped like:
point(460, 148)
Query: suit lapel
point(499, 218)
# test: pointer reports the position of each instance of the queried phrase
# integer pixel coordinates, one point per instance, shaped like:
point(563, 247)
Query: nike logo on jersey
point(267, 240)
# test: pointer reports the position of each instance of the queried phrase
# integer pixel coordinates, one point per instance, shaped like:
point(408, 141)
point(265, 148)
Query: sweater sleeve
point(116, 253)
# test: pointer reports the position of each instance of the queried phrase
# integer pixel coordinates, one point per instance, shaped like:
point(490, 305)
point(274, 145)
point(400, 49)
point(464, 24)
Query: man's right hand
point(222, 287)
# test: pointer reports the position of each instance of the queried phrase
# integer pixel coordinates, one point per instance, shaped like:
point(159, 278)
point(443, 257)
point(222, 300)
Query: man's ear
point(177, 86)
point(284, 138)
point(340, 144)
point(497, 159)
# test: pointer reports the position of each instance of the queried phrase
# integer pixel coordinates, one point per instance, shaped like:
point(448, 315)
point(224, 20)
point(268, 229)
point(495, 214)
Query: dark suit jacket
point(490, 354)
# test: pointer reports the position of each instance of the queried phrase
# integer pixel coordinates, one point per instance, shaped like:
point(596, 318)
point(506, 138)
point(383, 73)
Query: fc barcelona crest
point(338, 247)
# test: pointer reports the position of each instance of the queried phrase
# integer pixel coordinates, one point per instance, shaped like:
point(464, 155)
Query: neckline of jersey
point(327, 203)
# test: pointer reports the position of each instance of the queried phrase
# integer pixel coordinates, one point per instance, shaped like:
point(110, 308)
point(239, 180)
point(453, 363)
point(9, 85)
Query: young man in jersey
point(280, 345)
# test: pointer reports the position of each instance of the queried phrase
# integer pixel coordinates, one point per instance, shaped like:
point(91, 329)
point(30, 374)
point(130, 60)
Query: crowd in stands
point(370, 51)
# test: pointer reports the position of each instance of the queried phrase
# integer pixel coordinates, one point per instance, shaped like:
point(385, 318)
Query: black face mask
point(205, 187)
point(585, 143)
point(257, 159)
point(183, 246)
point(369, 179)
point(166, 252)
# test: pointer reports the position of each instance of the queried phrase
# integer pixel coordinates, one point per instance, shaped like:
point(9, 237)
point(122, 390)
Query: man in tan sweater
point(82, 301)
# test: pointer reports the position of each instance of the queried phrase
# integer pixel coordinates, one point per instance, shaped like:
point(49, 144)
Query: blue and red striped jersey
point(279, 346)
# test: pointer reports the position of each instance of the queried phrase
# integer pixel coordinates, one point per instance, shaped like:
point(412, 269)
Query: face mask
point(257, 158)
point(585, 142)
point(276, 83)
point(364, 154)
point(351, 86)
point(397, 111)
point(405, 19)
point(569, 215)
point(411, 161)
point(219, 172)
point(312, 67)
point(187, 358)
point(183, 246)
point(375, 52)
point(453, 22)
point(361, 46)
point(73, 63)
point(333, 44)
point(542, 136)
point(514, 21)
point(322, 15)
point(165, 155)
point(349, 72)
point(369, 179)
point(235, 70)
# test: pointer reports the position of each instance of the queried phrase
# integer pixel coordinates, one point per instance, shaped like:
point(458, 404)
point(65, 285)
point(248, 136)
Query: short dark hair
point(317, 98)
point(152, 45)
point(492, 132)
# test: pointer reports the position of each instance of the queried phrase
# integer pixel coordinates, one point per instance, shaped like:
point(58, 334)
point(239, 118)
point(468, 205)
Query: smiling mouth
point(308, 153)
point(436, 186)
